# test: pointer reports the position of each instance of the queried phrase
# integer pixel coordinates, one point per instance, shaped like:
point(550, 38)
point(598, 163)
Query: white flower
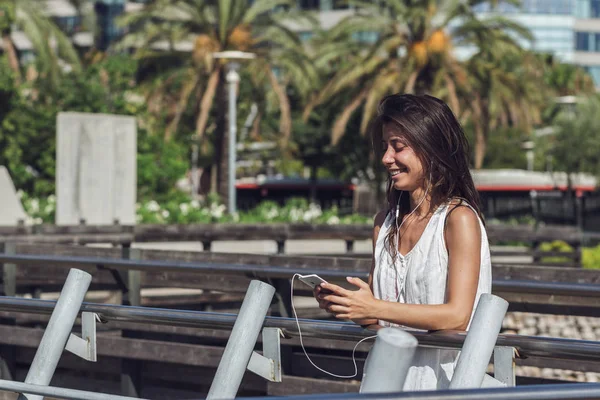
point(185, 208)
point(295, 214)
point(52, 199)
point(49, 208)
point(272, 213)
point(34, 204)
point(20, 194)
point(139, 218)
point(217, 211)
point(333, 220)
point(314, 211)
point(138, 206)
point(152, 206)
point(195, 204)
point(165, 213)
point(37, 221)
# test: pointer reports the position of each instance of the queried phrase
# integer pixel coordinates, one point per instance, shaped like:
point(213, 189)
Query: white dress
point(420, 276)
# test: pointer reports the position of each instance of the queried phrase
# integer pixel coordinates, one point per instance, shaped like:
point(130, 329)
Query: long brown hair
point(429, 127)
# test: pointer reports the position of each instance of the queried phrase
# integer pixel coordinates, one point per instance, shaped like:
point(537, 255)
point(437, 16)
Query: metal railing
point(567, 391)
point(274, 271)
point(527, 346)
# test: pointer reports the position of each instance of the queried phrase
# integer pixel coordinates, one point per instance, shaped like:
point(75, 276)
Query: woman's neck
point(417, 200)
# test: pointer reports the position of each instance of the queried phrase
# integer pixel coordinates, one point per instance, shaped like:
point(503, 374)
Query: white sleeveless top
point(419, 277)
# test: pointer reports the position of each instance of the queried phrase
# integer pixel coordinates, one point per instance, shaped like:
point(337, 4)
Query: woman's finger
point(335, 289)
point(339, 309)
point(344, 301)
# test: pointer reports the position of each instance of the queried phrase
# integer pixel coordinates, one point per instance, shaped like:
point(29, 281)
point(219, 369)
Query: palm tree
point(566, 79)
point(413, 53)
point(213, 26)
point(505, 82)
point(52, 48)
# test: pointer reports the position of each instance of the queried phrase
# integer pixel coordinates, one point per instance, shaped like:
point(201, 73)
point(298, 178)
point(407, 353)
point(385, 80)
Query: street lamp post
point(233, 79)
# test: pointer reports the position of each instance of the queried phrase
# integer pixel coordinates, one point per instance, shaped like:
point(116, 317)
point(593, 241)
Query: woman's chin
point(399, 186)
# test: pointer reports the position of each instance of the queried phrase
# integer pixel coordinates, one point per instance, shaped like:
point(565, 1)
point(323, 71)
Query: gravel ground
point(564, 326)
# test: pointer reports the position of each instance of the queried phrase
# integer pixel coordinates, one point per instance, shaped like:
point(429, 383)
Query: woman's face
point(401, 162)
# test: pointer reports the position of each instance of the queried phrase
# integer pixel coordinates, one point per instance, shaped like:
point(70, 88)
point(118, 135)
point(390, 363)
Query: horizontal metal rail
point(272, 271)
point(527, 346)
point(58, 392)
point(567, 391)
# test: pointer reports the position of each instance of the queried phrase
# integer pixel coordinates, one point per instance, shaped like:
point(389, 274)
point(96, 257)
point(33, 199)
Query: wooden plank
point(276, 232)
point(296, 385)
point(136, 349)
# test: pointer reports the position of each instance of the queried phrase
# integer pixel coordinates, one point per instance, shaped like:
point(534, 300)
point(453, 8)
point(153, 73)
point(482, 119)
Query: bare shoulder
point(462, 220)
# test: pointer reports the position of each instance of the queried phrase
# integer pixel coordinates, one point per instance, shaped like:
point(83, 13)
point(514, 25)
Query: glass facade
point(587, 8)
point(552, 7)
point(107, 12)
point(594, 71)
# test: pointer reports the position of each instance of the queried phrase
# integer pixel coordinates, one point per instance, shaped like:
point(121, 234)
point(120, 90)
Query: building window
point(556, 7)
point(305, 36)
point(587, 9)
point(309, 4)
point(582, 41)
point(587, 41)
point(365, 36)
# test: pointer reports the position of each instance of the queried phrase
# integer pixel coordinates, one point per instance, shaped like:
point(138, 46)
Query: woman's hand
point(318, 292)
point(349, 304)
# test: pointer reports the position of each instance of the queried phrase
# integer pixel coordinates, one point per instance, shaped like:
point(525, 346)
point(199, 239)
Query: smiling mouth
point(396, 172)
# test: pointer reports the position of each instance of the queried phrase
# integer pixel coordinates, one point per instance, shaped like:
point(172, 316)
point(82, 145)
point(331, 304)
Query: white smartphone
point(312, 280)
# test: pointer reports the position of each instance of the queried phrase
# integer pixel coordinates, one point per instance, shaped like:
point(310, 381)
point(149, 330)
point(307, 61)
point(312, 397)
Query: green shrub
point(556, 246)
point(591, 257)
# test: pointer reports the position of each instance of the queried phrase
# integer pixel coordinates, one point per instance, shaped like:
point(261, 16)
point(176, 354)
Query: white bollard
point(58, 330)
point(479, 343)
point(388, 361)
point(242, 340)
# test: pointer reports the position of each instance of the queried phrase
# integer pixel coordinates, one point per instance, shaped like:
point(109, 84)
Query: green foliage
point(577, 143)
point(28, 129)
point(38, 210)
point(591, 257)
point(504, 149)
point(159, 165)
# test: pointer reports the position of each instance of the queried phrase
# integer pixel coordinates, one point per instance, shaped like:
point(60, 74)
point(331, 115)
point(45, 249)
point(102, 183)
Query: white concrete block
point(11, 209)
point(96, 169)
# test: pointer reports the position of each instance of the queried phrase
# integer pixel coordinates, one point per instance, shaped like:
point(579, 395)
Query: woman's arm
point(463, 241)
point(379, 219)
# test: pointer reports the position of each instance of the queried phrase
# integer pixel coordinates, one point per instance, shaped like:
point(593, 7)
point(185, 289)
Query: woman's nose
point(388, 157)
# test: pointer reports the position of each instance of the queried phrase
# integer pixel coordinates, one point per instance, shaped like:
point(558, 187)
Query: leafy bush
point(591, 257)
point(210, 210)
point(556, 246)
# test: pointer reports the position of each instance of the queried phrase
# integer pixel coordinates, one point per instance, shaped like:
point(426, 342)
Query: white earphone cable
point(304, 350)
point(368, 337)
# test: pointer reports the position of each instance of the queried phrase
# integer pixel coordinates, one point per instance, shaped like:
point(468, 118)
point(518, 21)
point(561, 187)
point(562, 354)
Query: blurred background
point(301, 79)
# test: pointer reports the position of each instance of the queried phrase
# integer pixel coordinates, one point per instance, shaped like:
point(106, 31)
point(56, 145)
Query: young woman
point(431, 259)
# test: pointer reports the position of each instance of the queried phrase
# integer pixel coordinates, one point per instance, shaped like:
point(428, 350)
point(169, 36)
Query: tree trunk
point(480, 145)
point(285, 120)
point(13, 58)
point(313, 183)
point(481, 121)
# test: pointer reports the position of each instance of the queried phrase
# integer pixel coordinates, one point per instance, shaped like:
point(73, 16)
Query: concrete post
point(58, 330)
point(479, 343)
point(388, 361)
point(241, 342)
